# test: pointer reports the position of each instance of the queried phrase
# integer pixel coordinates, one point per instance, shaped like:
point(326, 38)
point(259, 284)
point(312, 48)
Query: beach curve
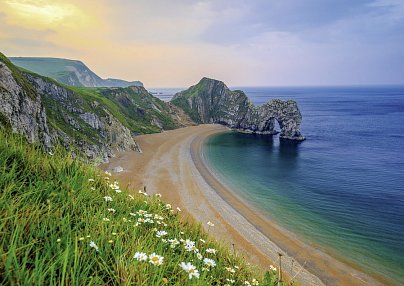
point(172, 164)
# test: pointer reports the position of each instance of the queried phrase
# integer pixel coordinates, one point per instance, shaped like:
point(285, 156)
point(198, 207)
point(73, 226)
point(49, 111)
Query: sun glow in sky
point(175, 43)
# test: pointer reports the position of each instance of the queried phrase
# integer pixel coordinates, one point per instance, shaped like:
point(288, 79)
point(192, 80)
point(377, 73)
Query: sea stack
point(211, 101)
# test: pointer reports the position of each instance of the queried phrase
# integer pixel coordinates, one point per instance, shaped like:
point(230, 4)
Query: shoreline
point(172, 163)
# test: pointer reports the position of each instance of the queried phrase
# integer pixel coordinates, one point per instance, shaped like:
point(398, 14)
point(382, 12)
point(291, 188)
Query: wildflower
point(156, 216)
point(231, 270)
point(156, 259)
point(271, 267)
point(168, 206)
point(164, 240)
point(141, 212)
point(108, 173)
point(58, 240)
point(140, 256)
point(143, 193)
point(199, 256)
point(161, 233)
point(149, 221)
point(209, 262)
point(209, 223)
point(108, 199)
point(111, 210)
point(118, 191)
point(141, 220)
point(173, 242)
point(93, 245)
point(188, 267)
point(211, 250)
point(91, 180)
point(231, 281)
point(189, 242)
point(158, 195)
point(255, 282)
point(247, 283)
point(105, 219)
point(189, 245)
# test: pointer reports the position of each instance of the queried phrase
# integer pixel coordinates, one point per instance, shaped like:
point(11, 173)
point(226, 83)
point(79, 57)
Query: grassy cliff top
point(65, 223)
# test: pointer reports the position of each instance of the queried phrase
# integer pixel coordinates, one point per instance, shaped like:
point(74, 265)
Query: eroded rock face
point(111, 134)
point(211, 101)
point(23, 113)
point(27, 102)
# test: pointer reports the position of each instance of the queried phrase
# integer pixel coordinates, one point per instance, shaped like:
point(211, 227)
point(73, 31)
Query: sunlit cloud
point(43, 14)
point(174, 43)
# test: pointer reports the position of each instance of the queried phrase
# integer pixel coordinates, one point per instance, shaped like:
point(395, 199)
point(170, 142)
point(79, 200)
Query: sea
point(342, 189)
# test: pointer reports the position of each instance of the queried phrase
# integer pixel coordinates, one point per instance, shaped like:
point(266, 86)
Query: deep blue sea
point(342, 189)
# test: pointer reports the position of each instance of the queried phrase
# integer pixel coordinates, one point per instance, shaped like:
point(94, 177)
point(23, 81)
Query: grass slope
point(67, 71)
point(64, 223)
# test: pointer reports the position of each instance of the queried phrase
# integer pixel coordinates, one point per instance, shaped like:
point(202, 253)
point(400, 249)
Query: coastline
point(172, 164)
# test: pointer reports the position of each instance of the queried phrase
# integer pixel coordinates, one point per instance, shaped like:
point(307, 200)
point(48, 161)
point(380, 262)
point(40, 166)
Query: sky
point(174, 43)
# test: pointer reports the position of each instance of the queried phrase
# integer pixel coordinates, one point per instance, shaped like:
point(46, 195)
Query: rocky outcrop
point(211, 101)
point(93, 128)
point(24, 114)
point(47, 113)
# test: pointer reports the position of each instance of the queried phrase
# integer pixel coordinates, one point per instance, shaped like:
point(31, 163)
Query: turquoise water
point(343, 188)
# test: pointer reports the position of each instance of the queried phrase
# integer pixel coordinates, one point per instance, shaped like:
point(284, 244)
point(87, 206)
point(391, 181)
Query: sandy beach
point(172, 164)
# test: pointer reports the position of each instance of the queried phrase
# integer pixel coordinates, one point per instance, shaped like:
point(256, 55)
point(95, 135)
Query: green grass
point(18, 77)
point(52, 207)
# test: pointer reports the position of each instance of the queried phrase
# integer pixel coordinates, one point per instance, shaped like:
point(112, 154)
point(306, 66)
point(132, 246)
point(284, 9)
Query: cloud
point(174, 43)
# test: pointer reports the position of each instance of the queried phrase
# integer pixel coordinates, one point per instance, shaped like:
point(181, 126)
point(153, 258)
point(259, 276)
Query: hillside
point(95, 121)
point(211, 101)
point(70, 72)
point(65, 223)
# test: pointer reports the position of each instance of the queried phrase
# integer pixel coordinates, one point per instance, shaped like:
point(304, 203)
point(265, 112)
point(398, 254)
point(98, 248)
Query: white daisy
point(161, 233)
point(156, 259)
point(140, 256)
point(209, 262)
point(93, 245)
point(190, 269)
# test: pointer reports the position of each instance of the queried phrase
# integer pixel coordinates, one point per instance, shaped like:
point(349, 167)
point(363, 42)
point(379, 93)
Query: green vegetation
point(57, 69)
point(66, 71)
point(135, 110)
point(65, 223)
point(183, 103)
point(19, 78)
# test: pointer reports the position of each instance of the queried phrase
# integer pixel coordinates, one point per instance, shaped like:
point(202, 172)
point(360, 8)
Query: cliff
point(211, 101)
point(96, 121)
point(70, 72)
